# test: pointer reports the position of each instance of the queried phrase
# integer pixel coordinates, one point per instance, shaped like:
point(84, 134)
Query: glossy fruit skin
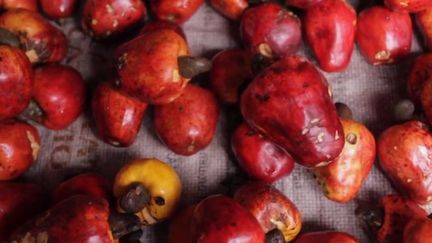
point(18, 202)
point(259, 157)
point(271, 208)
point(16, 82)
point(20, 143)
point(270, 30)
point(410, 6)
point(161, 181)
point(311, 132)
point(330, 28)
point(76, 219)
point(302, 4)
point(104, 18)
point(90, 184)
point(118, 117)
point(418, 231)
point(188, 124)
point(26, 4)
point(424, 23)
point(383, 36)
point(58, 9)
point(41, 41)
point(342, 179)
point(403, 152)
point(148, 66)
point(232, 9)
point(60, 92)
point(327, 237)
point(398, 212)
point(220, 219)
point(156, 25)
point(420, 73)
point(226, 82)
point(177, 11)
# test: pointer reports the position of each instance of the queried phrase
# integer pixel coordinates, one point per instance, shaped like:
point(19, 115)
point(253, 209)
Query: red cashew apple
point(424, 22)
point(216, 219)
point(270, 30)
point(188, 124)
point(26, 4)
point(156, 25)
point(230, 71)
point(259, 157)
point(118, 117)
point(330, 28)
point(420, 72)
point(418, 231)
point(411, 6)
point(177, 11)
point(271, 208)
point(232, 9)
point(18, 202)
point(303, 4)
point(16, 82)
point(58, 96)
point(58, 9)
point(20, 143)
point(327, 237)
point(148, 66)
point(41, 41)
point(384, 36)
point(90, 184)
point(342, 179)
point(104, 18)
point(311, 132)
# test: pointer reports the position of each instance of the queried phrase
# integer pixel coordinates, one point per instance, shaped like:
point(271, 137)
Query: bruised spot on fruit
point(33, 144)
point(265, 50)
point(262, 97)
point(351, 138)
point(383, 55)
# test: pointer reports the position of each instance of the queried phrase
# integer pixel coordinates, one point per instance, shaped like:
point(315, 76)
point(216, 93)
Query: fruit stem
point(33, 112)
point(192, 66)
point(135, 199)
point(9, 38)
point(123, 224)
point(275, 236)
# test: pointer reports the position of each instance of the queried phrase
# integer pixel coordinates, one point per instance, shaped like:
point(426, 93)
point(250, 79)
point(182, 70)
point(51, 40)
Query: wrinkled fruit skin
point(303, 4)
point(311, 132)
point(404, 153)
point(226, 82)
point(424, 22)
point(118, 117)
point(330, 28)
point(420, 73)
point(383, 36)
point(188, 124)
point(162, 183)
point(410, 6)
point(19, 147)
point(41, 41)
point(342, 179)
point(177, 11)
point(418, 231)
point(259, 157)
point(232, 9)
point(327, 237)
point(156, 25)
point(26, 4)
point(18, 203)
point(77, 219)
point(148, 66)
point(271, 208)
point(270, 30)
point(104, 18)
point(60, 93)
point(58, 9)
point(219, 219)
point(16, 82)
point(89, 184)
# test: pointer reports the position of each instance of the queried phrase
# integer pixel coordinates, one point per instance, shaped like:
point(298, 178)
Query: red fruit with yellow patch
point(327, 237)
point(188, 124)
point(232, 9)
point(26, 4)
point(104, 18)
point(148, 66)
point(384, 36)
point(19, 148)
point(342, 179)
point(177, 11)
